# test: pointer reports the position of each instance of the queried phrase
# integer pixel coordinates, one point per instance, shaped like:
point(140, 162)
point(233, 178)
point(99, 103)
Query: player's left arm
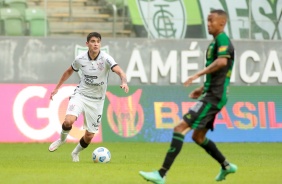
point(117, 69)
point(214, 66)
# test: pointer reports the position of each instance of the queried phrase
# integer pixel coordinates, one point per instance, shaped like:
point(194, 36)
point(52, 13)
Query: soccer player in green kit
point(211, 99)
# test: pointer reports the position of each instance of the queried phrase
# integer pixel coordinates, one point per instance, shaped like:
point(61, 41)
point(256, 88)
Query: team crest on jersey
point(209, 52)
point(101, 66)
point(163, 18)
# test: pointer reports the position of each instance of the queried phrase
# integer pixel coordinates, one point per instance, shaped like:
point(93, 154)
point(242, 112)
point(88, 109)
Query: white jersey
point(94, 79)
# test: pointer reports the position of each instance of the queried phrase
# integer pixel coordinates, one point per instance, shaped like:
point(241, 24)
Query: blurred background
point(249, 19)
point(158, 43)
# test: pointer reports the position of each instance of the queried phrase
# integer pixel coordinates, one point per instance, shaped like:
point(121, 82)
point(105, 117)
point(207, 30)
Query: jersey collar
point(219, 34)
point(94, 58)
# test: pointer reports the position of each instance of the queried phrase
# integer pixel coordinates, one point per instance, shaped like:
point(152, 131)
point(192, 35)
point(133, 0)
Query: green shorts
point(201, 115)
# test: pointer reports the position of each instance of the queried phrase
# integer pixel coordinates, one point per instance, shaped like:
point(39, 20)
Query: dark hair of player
point(93, 34)
point(220, 12)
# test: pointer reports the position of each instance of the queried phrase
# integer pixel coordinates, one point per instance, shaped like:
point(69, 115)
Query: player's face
point(215, 23)
point(94, 44)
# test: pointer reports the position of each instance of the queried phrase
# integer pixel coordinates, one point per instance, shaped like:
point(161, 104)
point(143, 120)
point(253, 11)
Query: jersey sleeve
point(75, 66)
point(223, 44)
point(110, 61)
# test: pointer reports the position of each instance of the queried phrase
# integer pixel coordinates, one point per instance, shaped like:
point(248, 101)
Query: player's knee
point(66, 128)
point(88, 137)
point(177, 129)
point(180, 127)
point(68, 123)
point(197, 139)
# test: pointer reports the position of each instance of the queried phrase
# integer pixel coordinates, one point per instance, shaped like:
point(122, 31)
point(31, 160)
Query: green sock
point(211, 149)
point(175, 147)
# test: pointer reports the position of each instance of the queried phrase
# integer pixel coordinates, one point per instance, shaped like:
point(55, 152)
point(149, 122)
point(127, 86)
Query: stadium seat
point(20, 5)
point(12, 22)
point(36, 23)
point(1, 3)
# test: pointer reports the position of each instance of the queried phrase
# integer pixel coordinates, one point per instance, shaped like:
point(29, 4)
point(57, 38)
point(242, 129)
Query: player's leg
point(203, 115)
point(83, 143)
point(199, 136)
point(66, 127)
point(176, 144)
point(74, 109)
point(205, 122)
point(92, 119)
point(175, 147)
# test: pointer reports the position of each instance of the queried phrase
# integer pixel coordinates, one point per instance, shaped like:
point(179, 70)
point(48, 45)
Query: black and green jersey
point(216, 83)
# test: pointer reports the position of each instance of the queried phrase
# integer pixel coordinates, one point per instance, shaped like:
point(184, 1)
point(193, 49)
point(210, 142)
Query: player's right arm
point(64, 77)
point(215, 66)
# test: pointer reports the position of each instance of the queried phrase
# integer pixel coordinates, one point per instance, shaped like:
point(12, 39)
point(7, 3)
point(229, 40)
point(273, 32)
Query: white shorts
point(93, 110)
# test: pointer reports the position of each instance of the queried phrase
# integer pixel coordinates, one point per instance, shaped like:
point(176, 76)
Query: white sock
point(64, 135)
point(78, 149)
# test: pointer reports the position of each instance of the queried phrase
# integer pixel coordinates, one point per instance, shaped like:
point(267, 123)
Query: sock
point(80, 146)
point(78, 149)
point(65, 132)
point(225, 165)
point(175, 148)
point(211, 149)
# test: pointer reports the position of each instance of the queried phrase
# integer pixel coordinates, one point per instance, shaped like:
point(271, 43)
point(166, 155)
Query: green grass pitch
point(259, 163)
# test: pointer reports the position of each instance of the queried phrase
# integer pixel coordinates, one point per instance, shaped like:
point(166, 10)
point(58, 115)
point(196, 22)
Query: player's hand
point(196, 93)
point(190, 80)
point(53, 93)
point(124, 87)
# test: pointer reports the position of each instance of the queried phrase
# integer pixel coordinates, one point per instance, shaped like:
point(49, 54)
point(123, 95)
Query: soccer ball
point(101, 155)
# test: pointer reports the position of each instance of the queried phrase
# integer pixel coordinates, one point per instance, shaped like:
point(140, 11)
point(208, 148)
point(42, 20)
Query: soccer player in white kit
point(89, 95)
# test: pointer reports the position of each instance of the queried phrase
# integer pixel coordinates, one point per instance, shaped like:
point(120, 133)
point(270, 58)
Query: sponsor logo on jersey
point(222, 48)
point(108, 61)
point(71, 107)
point(97, 84)
point(90, 80)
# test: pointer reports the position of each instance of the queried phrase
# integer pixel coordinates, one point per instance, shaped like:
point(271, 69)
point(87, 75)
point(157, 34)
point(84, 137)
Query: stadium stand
point(64, 18)
point(20, 5)
point(37, 24)
point(12, 21)
point(79, 17)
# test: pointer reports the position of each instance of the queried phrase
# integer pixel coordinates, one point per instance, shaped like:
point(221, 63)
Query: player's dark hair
point(93, 34)
point(220, 12)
